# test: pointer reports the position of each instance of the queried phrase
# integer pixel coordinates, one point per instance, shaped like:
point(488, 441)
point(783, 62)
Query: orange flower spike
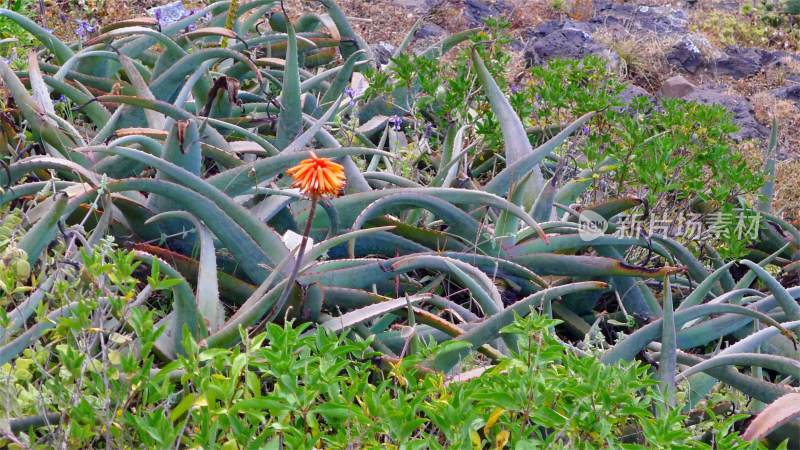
point(317, 176)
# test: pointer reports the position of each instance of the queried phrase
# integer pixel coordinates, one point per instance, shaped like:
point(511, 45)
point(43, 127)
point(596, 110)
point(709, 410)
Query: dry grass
point(772, 77)
point(768, 108)
point(787, 191)
point(786, 201)
point(581, 10)
point(787, 183)
point(642, 58)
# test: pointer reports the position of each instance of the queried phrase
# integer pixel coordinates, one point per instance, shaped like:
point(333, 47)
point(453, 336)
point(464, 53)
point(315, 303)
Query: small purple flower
point(348, 91)
point(84, 29)
point(585, 130)
point(396, 122)
point(61, 99)
point(428, 130)
point(192, 26)
point(515, 88)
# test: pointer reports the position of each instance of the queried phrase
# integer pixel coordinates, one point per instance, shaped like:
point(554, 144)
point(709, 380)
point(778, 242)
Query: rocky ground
point(708, 51)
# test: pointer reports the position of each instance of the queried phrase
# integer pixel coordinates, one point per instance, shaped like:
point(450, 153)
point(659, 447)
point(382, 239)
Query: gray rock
point(739, 107)
point(686, 56)
point(477, 11)
point(631, 92)
point(383, 52)
point(429, 30)
point(564, 43)
point(742, 62)
point(781, 60)
point(791, 93)
point(677, 87)
point(641, 18)
point(547, 27)
point(420, 6)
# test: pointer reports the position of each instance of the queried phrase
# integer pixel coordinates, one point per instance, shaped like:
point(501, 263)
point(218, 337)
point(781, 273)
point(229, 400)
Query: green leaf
point(787, 302)
point(700, 292)
point(667, 363)
point(528, 159)
point(628, 348)
point(154, 119)
point(207, 292)
point(185, 312)
point(490, 328)
point(42, 124)
point(586, 266)
point(459, 223)
point(370, 312)
point(517, 145)
point(350, 41)
point(43, 232)
point(438, 49)
point(238, 180)
point(290, 118)
point(768, 189)
point(780, 364)
point(342, 80)
point(20, 315)
point(60, 50)
point(267, 240)
point(350, 206)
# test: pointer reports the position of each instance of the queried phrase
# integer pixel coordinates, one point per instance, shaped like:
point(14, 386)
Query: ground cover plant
point(178, 192)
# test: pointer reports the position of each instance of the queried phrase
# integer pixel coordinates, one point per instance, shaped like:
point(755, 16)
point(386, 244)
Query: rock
point(676, 87)
point(686, 56)
point(739, 107)
point(784, 61)
point(791, 93)
point(383, 52)
point(429, 30)
point(169, 13)
point(564, 43)
point(547, 27)
point(420, 6)
point(641, 18)
point(743, 62)
point(785, 67)
point(477, 11)
point(631, 92)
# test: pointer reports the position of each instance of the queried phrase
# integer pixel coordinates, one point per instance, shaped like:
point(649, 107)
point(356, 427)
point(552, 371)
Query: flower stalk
point(316, 177)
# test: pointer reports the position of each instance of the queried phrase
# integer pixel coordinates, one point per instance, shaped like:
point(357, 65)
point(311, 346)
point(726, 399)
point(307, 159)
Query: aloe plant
point(182, 138)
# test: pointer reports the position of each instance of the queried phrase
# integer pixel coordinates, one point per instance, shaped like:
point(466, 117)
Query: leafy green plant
point(12, 35)
point(792, 7)
point(320, 389)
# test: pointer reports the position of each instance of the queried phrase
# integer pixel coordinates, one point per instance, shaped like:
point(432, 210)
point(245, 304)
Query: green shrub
point(299, 388)
point(16, 39)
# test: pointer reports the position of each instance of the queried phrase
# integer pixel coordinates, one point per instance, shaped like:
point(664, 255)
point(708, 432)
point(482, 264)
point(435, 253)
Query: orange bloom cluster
point(317, 176)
